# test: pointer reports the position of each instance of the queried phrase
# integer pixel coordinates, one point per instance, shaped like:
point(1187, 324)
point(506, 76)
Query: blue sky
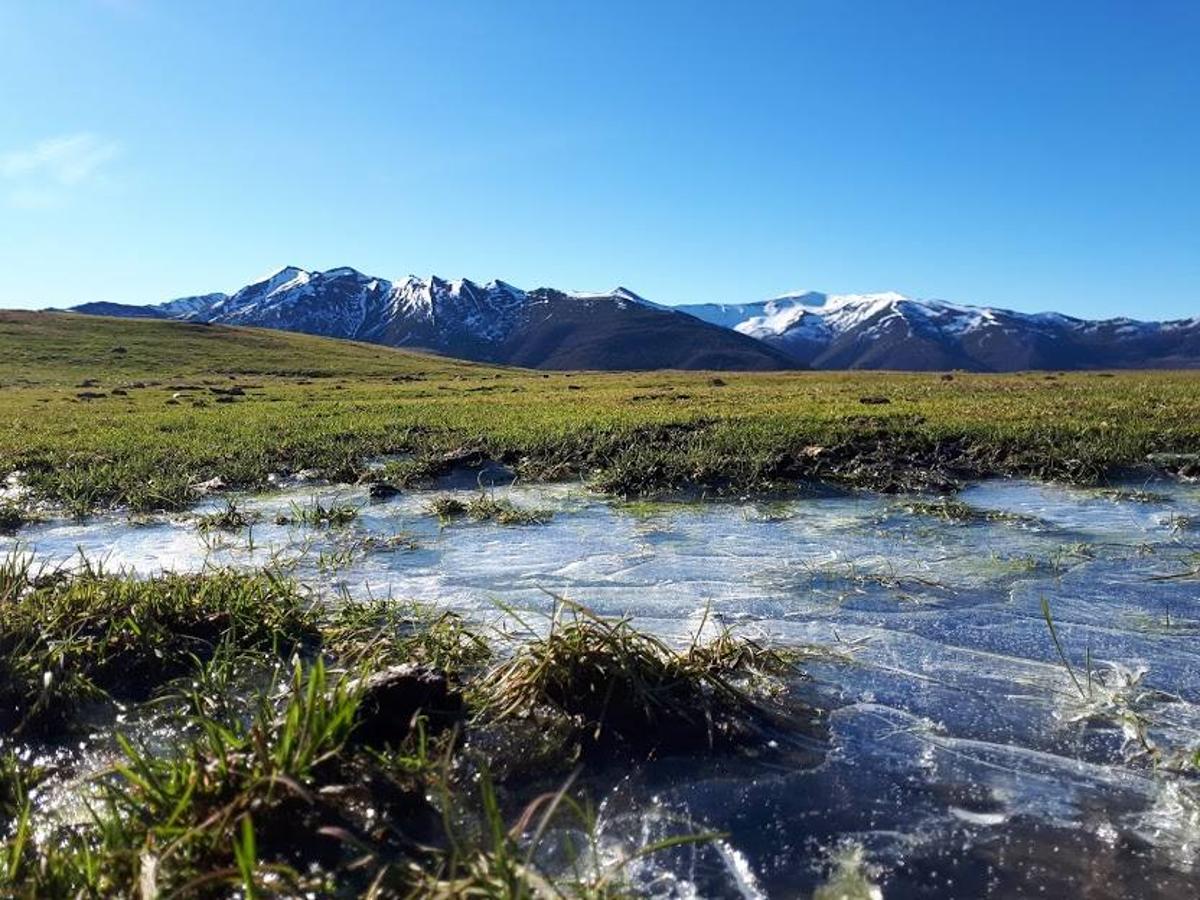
point(1035, 155)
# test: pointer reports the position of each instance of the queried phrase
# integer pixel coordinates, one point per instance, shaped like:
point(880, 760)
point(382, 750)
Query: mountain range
point(553, 329)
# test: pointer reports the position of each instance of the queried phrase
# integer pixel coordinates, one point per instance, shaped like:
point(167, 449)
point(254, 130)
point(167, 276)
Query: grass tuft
point(66, 639)
point(319, 515)
point(950, 510)
point(229, 517)
point(387, 632)
point(486, 508)
point(618, 684)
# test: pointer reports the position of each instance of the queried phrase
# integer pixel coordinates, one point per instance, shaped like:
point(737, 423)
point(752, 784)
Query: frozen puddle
point(963, 758)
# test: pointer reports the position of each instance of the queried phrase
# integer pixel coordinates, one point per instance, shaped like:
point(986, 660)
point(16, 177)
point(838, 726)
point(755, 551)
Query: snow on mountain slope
point(492, 322)
point(497, 322)
point(891, 331)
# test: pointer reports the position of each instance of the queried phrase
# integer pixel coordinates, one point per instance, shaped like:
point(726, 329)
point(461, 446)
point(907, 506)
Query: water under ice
point(962, 758)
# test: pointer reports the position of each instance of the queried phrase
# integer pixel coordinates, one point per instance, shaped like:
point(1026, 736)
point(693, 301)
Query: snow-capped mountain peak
point(498, 322)
point(890, 330)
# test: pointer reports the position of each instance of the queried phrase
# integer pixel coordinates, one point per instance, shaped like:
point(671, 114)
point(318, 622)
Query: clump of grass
point(166, 490)
point(446, 507)
point(486, 508)
point(1134, 495)
point(229, 517)
point(283, 802)
point(68, 639)
point(319, 515)
point(1179, 523)
point(407, 473)
point(389, 632)
point(399, 541)
point(221, 812)
point(949, 510)
point(618, 684)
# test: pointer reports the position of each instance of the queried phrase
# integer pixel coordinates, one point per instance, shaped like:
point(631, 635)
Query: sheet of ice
point(960, 747)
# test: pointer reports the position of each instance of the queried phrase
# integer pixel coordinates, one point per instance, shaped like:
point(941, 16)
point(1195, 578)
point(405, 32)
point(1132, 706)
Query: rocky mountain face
point(552, 329)
point(493, 322)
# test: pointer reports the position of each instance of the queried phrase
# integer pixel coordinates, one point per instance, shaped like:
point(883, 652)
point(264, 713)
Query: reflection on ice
point(962, 750)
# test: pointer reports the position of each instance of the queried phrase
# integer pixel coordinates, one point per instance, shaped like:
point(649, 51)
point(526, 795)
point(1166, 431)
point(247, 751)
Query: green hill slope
point(41, 348)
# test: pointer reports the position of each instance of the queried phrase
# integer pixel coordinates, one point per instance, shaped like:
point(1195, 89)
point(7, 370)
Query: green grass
point(332, 407)
point(615, 683)
point(229, 517)
point(67, 639)
point(390, 632)
point(280, 786)
point(950, 510)
point(316, 514)
point(483, 507)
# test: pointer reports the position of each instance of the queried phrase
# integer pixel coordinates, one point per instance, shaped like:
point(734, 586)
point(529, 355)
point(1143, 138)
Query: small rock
point(91, 395)
point(874, 401)
point(381, 490)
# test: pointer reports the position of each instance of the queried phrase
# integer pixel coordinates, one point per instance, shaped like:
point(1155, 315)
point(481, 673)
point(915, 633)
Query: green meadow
point(101, 412)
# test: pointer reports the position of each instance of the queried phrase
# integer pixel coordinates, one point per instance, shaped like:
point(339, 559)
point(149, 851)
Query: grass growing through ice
point(186, 821)
point(950, 510)
point(1116, 695)
point(619, 684)
point(500, 864)
point(65, 639)
point(307, 783)
point(230, 517)
point(483, 507)
point(319, 515)
point(343, 408)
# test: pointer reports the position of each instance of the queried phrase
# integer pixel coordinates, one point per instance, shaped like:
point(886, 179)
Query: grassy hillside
point(103, 411)
point(60, 348)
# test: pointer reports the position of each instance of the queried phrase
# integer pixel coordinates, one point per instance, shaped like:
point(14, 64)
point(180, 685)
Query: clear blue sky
point(1026, 154)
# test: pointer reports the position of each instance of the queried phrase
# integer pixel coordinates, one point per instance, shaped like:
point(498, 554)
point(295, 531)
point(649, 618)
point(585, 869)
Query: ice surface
point(960, 750)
